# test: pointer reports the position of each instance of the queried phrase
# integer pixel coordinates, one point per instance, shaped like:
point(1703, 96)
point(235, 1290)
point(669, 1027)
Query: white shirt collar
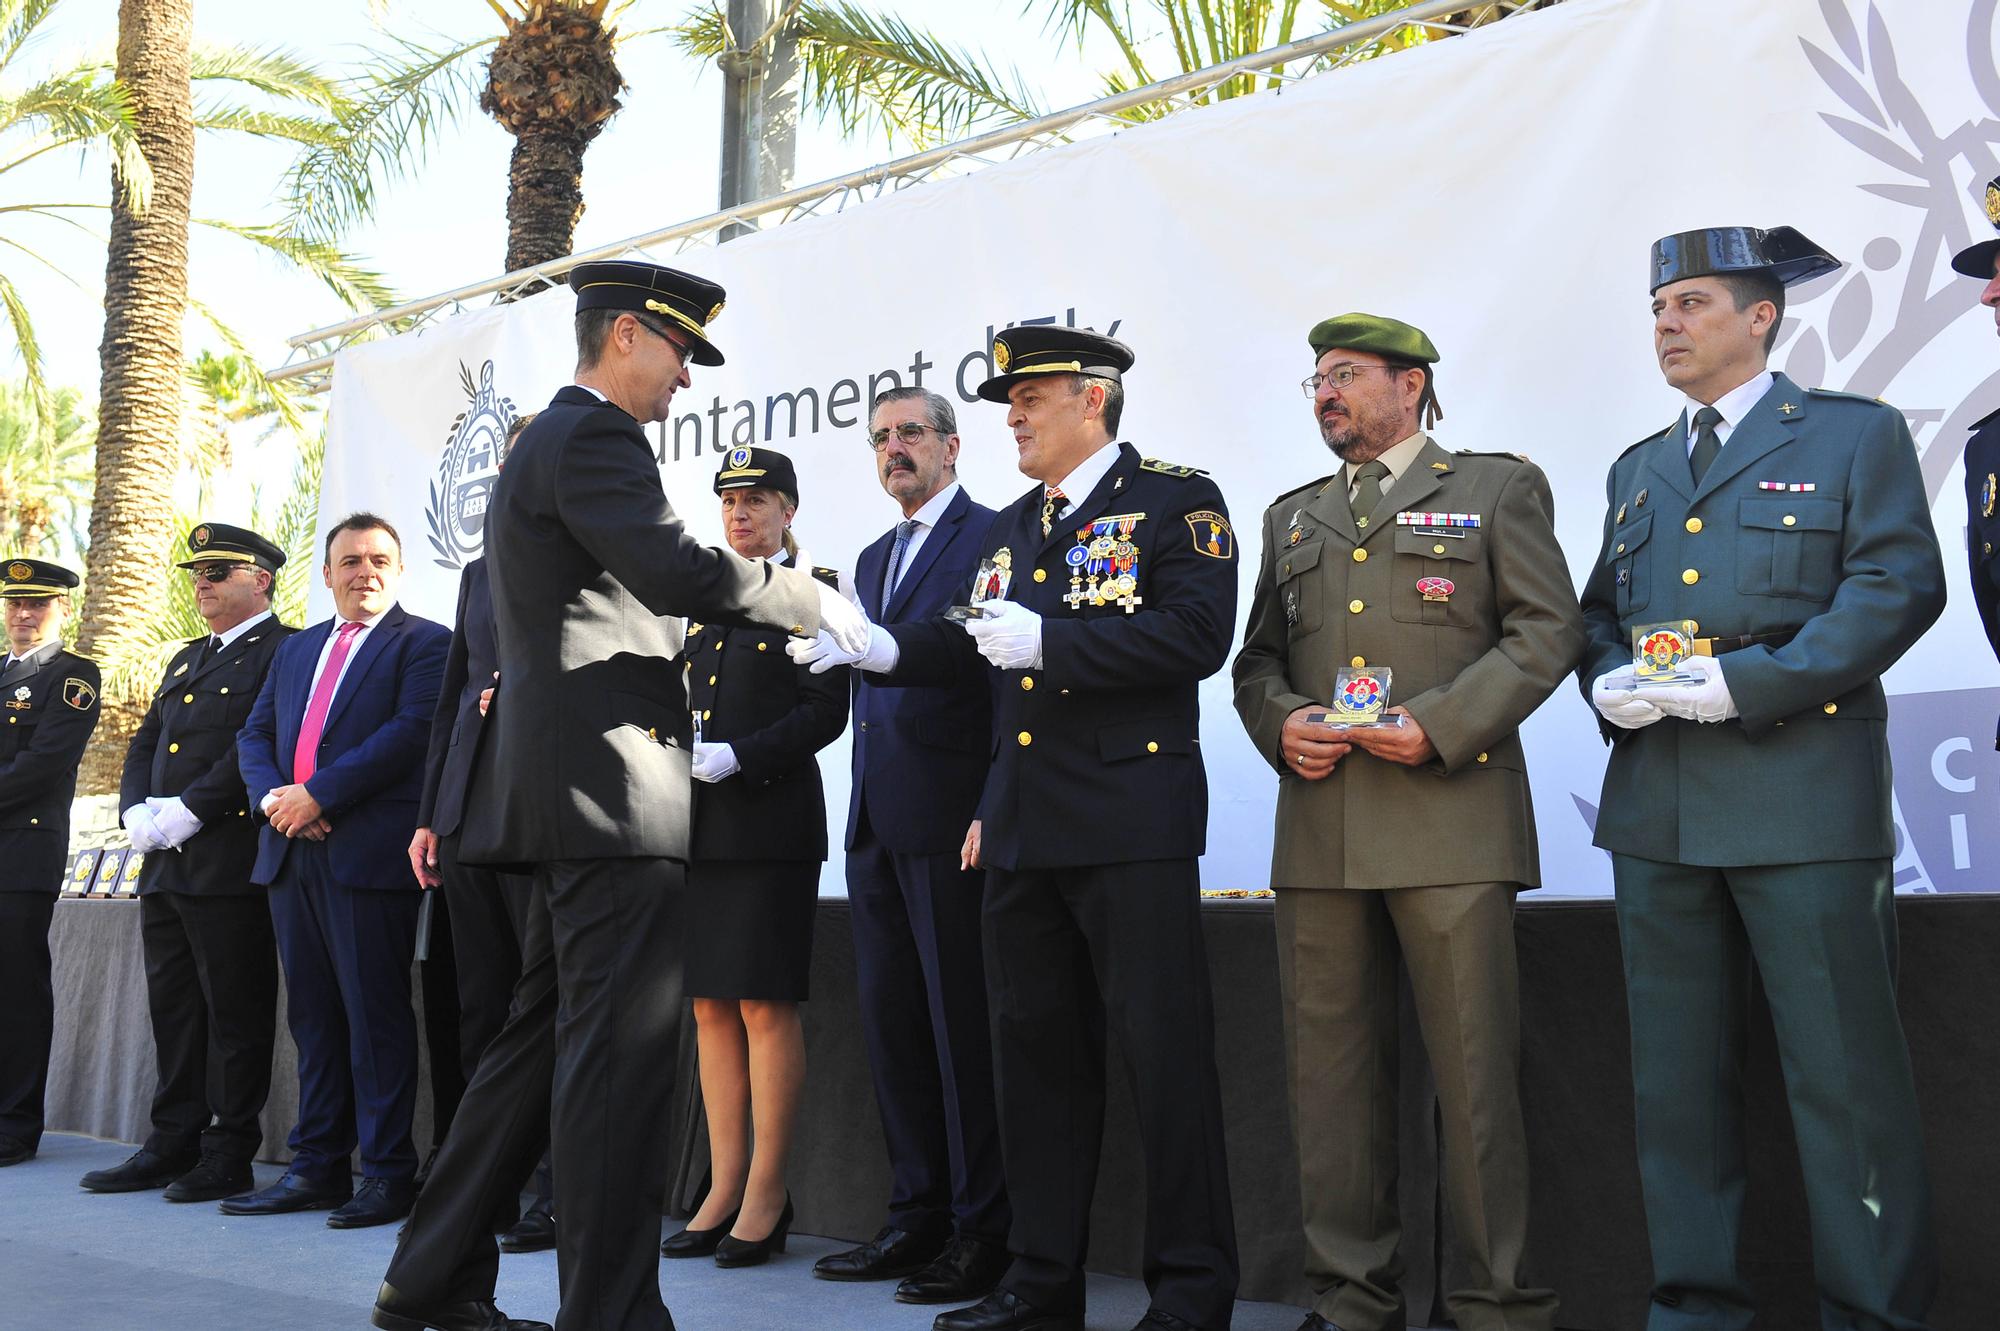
point(934, 507)
point(1083, 477)
point(783, 556)
point(1734, 406)
point(223, 639)
point(368, 623)
point(593, 392)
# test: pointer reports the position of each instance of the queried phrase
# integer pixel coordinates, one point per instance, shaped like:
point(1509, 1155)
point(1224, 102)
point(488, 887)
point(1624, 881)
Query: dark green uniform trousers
point(1823, 937)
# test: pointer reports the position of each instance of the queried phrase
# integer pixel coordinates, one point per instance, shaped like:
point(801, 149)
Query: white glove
point(140, 831)
point(1706, 701)
point(822, 653)
point(842, 620)
point(1008, 634)
point(714, 762)
point(1623, 706)
point(172, 820)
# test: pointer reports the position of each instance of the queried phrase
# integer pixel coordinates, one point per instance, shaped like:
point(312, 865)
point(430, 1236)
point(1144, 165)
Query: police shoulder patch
point(1212, 534)
point(79, 693)
point(1174, 469)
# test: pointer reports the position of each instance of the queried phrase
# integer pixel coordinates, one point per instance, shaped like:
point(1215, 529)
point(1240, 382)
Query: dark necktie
point(1706, 445)
point(904, 530)
point(1368, 490)
point(208, 651)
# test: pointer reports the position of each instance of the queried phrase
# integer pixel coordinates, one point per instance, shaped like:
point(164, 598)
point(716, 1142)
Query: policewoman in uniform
point(1444, 568)
point(1982, 451)
point(49, 697)
point(211, 958)
point(753, 878)
point(1109, 594)
point(1748, 815)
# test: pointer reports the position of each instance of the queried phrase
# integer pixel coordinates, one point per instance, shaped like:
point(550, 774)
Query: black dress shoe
point(378, 1201)
point(142, 1172)
point(14, 1153)
point(533, 1232)
point(1155, 1320)
point(394, 1312)
point(967, 1269)
point(698, 1242)
point(1314, 1322)
point(288, 1194)
point(892, 1254)
point(211, 1181)
point(1001, 1311)
point(732, 1251)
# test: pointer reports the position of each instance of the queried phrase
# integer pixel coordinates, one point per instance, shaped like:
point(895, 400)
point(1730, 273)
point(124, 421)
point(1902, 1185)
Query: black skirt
point(750, 928)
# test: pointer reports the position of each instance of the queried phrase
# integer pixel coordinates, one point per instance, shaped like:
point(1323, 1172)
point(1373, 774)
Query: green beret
point(1388, 338)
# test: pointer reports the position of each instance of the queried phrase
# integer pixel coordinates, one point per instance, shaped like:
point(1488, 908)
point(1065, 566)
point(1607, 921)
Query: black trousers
point(488, 912)
point(586, 1058)
point(1068, 952)
point(437, 973)
point(27, 1013)
point(212, 992)
point(921, 977)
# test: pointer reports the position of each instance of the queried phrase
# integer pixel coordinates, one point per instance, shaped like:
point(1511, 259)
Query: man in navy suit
point(920, 759)
point(332, 757)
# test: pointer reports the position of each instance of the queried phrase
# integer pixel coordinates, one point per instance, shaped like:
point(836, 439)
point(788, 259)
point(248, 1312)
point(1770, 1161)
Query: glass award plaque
point(989, 586)
point(1660, 653)
point(1360, 693)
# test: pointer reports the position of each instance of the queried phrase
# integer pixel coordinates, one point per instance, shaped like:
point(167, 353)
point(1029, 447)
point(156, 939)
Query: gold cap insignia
point(200, 537)
point(1993, 204)
point(19, 571)
point(1002, 357)
point(717, 310)
point(739, 458)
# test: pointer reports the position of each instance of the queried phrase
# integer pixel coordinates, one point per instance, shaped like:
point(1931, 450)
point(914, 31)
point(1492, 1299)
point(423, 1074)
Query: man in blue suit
point(332, 757)
point(920, 759)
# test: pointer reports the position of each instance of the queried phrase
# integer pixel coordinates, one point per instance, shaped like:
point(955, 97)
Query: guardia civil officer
point(50, 698)
point(1982, 451)
point(1443, 568)
point(583, 779)
point(1748, 816)
point(1109, 594)
point(211, 959)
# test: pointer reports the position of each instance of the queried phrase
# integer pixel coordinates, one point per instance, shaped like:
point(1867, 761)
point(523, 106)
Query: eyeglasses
point(211, 573)
point(1340, 376)
point(663, 335)
point(910, 432)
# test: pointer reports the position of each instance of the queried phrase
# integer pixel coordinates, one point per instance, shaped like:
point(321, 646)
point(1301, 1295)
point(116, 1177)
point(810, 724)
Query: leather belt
point(1717, 646)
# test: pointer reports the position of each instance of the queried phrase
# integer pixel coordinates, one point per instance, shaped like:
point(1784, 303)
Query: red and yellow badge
point(79, 693)
point(1212, 536)
point(201, 535)
point(19, 571)
point(1436, 589)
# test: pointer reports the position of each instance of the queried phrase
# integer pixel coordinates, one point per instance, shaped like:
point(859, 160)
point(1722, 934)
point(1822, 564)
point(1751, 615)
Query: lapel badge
point(1988, 494)
point(1788, 408)
point(20, 701)
point(1621, 514)
point(1436, 589)
point(182, 671)
point(1640, 502)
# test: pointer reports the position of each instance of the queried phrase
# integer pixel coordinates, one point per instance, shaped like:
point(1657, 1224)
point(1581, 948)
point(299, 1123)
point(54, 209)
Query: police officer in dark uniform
point(1982, 451)
point(49, 695)
point(211, 962)
point(584, 779)
point(1107, 594)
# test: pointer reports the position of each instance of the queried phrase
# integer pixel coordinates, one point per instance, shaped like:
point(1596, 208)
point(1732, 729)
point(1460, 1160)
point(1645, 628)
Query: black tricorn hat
point(687, 303)
point(217, 542)
point(1032, 349)
point(1977, 260)
point(24, 577)
point(745, 468)
point(1782, 252)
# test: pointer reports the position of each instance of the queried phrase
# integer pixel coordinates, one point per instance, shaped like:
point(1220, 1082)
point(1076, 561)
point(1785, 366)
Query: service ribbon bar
point(1437, 519)
point(1790, 487)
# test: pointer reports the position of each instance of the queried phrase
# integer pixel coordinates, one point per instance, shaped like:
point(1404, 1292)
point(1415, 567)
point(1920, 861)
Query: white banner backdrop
point(1499, 190)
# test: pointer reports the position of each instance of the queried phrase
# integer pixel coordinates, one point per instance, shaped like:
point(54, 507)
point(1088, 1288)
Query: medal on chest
point(1104, 564)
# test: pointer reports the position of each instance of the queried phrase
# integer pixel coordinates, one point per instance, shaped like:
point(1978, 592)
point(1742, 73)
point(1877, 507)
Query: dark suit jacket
point(1982, 524)
point(370, 765)
point(586, 749)
point(920, 755)
point(1097, 755)
point(457, 724)
point(776, 716)
point(186, 746)
point(50, 702)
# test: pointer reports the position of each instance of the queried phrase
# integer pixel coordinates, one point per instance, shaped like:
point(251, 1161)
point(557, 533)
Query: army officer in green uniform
point(1404, 847)
point(1747, 815)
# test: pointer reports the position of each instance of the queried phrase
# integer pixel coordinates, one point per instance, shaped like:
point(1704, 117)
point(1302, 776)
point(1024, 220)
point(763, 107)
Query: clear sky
point(653, 166)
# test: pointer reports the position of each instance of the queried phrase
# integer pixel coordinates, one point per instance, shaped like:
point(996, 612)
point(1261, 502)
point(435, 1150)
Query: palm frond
point(259, 393)
point(296, 530)
point(310, 131)
point(18, 21)
point(29, 345)
point(135, 664)
point(274, 71)
point(81, 106)
point(403, 99)
point(357, 286)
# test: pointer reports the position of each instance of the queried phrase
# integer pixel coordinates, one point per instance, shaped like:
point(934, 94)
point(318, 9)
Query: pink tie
point(303, 765)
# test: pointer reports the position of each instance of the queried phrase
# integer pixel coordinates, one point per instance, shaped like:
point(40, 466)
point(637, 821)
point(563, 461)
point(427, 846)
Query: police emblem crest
point(19, 571)
point(1212, 534)
point(456, 512)
point(1989, 493)
point(1993, 202)
point(201, 535)
point(79, 694)
point(1002, 357)
point(739, 458)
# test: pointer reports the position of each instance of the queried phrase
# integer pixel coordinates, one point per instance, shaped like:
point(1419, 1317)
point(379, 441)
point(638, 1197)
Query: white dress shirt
point(925, 518)
point(1083, 478)
point(353, 650)
point(227, 636)
point(1734, 406)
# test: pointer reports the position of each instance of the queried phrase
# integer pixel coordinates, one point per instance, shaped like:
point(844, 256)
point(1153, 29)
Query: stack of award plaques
point(107, 873)
point(82, 873)
point(128, 873)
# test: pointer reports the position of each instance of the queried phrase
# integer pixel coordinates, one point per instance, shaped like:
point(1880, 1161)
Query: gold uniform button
point(1621, 547)
point(762, 646)
point(1152, 746)
point(652, 733)
point(711, 680)
point(1437, 549)
point(1791, 521)
point(225, 688)
point(1690, 576)
point(34, 822)
point(1693, 526)
point(1354, 607)
point(1360, 556)
point(1481, 758)
point(1989, 547)
point(1024, 739)
point(187, 697)
point(706, 715)
point(1358, 662)
point(1694, 626)
point(1027, 683)
point(173, 748)
point(718, 644)
point(1831, 708)
point(1041, 575)
point(798, 631)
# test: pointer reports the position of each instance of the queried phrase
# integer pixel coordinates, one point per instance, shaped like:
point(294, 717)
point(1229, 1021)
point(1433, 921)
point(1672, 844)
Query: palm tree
point(550, 79)
point(46, 452)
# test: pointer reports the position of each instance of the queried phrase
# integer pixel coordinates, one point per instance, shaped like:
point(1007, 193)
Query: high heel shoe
point(698, 1242)
point(732, 1251)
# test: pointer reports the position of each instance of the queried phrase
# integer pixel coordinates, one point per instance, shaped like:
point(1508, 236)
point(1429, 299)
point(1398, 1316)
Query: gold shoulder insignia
point(829, 576)
point(1174, 469)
